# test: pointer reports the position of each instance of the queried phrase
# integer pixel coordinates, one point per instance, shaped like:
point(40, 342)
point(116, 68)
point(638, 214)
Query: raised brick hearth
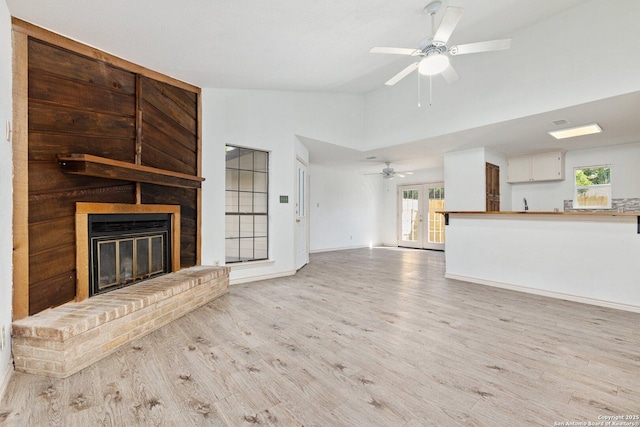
point(63, 340)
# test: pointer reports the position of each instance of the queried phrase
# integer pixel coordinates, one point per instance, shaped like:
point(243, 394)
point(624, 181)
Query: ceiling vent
point(560, 122)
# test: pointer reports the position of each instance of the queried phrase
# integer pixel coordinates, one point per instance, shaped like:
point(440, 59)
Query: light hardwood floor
point(357, 338)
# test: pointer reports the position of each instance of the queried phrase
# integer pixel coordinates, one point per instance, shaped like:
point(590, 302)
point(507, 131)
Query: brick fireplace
point(97, 135)
point(62, 340)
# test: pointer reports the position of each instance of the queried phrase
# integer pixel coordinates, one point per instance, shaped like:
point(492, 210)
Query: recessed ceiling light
point(575, 131)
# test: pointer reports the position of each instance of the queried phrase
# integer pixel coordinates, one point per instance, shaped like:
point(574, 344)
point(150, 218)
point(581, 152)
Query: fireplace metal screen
point(125, 249)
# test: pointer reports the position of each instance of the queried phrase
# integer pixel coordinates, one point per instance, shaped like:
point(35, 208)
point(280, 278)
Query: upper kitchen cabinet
point(536, 167)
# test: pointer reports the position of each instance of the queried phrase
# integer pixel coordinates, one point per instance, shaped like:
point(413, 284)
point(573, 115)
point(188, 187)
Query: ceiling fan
point(434, 52)
point(388, 172)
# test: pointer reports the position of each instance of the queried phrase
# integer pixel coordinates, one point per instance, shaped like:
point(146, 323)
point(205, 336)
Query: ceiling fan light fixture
point(433, 64)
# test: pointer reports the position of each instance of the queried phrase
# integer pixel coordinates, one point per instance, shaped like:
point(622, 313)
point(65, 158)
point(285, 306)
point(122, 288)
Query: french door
point(419, 226)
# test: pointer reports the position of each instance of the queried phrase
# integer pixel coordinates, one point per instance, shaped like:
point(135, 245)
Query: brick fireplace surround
point(63, 340)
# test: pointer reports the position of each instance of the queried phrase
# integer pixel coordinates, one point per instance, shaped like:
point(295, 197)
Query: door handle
point(297, 219)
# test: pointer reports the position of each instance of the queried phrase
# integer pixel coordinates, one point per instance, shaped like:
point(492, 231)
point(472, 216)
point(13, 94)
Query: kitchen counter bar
point(589, 257)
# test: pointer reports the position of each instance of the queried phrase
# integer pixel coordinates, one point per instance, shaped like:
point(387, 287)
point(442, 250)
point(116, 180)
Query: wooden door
point(492, 187)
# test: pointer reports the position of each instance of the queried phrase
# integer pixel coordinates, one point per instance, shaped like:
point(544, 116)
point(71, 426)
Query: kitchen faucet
point(526, 207)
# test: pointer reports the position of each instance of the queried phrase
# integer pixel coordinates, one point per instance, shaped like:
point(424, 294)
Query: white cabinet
point(536, 167)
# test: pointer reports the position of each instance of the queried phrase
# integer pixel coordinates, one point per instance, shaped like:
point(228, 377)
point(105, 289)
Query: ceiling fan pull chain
point(419, 90)
point(430, 91)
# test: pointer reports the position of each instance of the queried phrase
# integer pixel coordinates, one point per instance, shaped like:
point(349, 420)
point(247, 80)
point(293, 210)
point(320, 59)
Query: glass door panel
point(410, 216)
point(419, 224)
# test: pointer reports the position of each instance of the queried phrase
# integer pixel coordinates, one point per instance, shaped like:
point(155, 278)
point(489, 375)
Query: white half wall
point(344, 208)
point(625, 177)
point(6, 185)
point(592, 259)
point(270, 121)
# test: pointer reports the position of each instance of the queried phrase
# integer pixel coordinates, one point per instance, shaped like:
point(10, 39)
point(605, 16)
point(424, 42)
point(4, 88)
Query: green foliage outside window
point(592, 176)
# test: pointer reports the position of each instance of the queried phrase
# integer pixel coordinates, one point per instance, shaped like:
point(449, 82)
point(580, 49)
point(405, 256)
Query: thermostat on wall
point(284, 199)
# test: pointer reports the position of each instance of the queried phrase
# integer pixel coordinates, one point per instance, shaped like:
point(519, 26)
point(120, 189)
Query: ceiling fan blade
point(463, 49)
point(402, 74)
point(450, 74)
point(449, 22)
point(392, 50)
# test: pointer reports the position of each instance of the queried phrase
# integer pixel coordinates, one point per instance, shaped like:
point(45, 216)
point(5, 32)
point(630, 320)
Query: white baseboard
point(6, 377)
point(261, 277)
point(344, 248)
point(557, 295)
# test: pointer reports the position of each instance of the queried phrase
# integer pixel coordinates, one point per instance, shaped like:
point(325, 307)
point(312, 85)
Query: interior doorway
point(302, 198)
point(419, 226)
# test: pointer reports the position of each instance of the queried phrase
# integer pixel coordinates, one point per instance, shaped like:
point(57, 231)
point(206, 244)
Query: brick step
point(63, 340)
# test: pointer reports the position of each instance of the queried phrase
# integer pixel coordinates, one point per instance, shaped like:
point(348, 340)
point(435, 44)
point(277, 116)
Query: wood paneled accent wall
point(80, 100)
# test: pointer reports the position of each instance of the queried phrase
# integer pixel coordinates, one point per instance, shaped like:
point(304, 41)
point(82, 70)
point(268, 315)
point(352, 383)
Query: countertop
point(629, 214)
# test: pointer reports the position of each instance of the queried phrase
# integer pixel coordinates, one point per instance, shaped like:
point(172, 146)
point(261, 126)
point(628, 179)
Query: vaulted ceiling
point(323, 46)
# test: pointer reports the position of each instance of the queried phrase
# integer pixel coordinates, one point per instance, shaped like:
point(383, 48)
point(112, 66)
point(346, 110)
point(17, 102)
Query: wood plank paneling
point(48, 87)
point(52, 262)
point(52, 292)
point(46, 177)
point(187, 199)
point(57, 119)
point(174, 133)
point(157, 152)
point(154, 96)
point(76, 104)
point(59, 205)
point(47, 146)
point(51, 233)
point(185, 99)
point(44, 56)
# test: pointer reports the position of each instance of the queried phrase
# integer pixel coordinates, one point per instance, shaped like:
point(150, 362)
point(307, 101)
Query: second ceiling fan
point(433, 51)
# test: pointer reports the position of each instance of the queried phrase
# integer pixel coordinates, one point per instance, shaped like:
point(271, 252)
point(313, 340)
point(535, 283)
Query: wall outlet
point(216, 263)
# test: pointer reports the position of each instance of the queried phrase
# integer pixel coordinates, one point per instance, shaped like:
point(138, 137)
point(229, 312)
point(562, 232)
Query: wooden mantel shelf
point(87, 164)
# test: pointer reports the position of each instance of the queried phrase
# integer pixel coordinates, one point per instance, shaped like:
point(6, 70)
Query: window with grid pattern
point(246, 200)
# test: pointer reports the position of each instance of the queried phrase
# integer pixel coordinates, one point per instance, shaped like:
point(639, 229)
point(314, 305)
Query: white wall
point(343, 209)
point(388, 214)
point(464, 180)
point(625, 177)
point(520, 84)
point(6, 167)
point(267, 120)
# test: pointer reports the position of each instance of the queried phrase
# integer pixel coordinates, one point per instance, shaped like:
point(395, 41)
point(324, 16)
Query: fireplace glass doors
point(125, 249)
